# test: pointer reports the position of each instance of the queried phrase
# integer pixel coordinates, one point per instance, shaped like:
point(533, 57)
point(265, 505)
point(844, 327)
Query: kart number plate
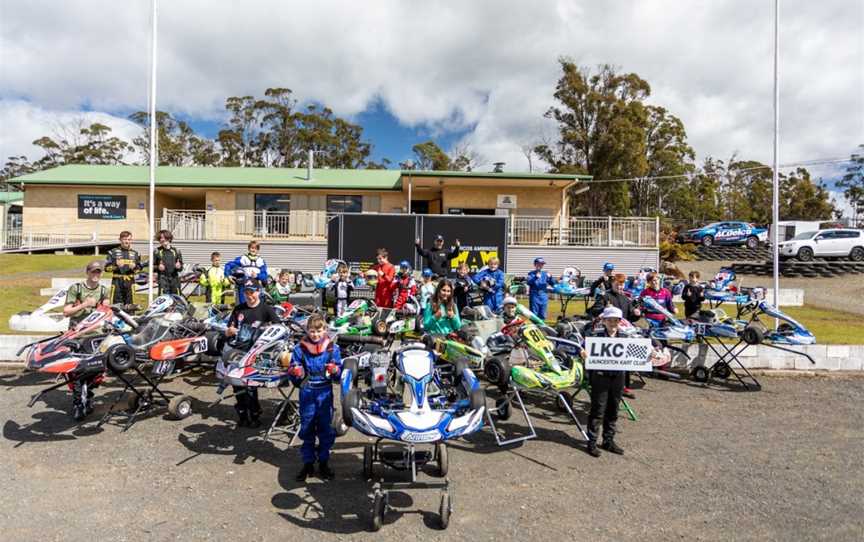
point(426, 436)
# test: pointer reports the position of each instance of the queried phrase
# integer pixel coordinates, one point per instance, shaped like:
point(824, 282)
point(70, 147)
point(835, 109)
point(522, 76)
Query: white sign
point(506, 201)
point(618, 354)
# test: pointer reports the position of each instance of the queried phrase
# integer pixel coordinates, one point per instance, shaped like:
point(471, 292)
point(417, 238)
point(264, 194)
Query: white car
point(834, 243)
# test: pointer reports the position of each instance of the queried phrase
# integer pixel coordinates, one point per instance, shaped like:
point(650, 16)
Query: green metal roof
point(205, 177)
point(11, 197)
point(490, 174)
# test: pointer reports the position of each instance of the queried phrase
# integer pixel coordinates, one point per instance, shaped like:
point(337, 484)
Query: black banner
point(355, 238)
point(101, 207)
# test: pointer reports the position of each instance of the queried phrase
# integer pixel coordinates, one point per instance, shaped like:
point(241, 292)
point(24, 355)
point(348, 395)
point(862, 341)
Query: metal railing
point(19, 239)
point(584, 231)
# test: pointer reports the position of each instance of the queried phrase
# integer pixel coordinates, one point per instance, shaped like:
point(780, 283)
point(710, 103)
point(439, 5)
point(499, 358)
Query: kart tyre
point(497, 371)
point(503, 409)
point(379, 328)
point(444, 511)
point(367, 462)
point(132, 400)
point(351, 365)
point(708, 241)
point(722, 371)
point(478, 399)
point(857, 254)
point(338, 423)
point(805, 254)
point(378, 508)
point(752, 335)
point(351, 400)
point(180, 407)
point(121, 357)
point(699, 374)
point(564, 396)
point(442, 460)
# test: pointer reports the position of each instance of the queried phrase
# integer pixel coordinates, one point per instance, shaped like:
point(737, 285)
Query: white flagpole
point(775, 199)
point(154, 159)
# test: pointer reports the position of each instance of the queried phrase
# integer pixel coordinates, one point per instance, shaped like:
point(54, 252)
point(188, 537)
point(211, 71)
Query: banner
point(618, 354)
point(481, 238)
point(101, 207)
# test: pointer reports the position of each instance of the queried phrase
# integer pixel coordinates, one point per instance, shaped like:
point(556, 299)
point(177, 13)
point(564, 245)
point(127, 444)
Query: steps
point(794, 268)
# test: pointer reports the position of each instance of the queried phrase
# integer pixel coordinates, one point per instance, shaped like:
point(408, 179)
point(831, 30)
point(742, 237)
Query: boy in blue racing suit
point(317, 359)
point(538, 282)
point(490, 280)
point(251, 266)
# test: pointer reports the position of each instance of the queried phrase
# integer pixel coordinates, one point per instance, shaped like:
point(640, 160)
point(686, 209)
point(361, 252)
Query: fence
point(18, 239)
point(231, 225)
point(585, 231)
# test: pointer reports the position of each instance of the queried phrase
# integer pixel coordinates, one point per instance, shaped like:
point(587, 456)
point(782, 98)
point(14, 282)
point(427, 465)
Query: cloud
point(487, 66)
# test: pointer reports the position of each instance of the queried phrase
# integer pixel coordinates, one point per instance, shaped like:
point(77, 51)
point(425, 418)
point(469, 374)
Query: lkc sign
point(614, 354)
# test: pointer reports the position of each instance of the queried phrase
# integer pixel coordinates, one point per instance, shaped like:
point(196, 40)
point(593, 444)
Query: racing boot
point(610, 446)
point(243, 419)
point(79, 410)
point(592, 449)
point(254, 420)
point(325, 471)
point(307, 470)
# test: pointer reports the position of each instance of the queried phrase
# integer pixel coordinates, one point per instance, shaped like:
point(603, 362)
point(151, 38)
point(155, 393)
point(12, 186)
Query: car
point(830, 243)
point(725, 233)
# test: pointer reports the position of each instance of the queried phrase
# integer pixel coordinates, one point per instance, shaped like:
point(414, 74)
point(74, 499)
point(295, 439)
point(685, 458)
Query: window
point(344, 204)
point(273, 202)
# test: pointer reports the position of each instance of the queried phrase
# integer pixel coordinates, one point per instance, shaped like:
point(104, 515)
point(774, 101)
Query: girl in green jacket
point(441, 316)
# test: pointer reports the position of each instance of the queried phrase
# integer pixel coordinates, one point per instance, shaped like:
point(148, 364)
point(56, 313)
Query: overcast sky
point(479, 71)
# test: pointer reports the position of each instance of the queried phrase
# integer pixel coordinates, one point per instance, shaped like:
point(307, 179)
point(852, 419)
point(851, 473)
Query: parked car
point(833, 243)
point(725, 233)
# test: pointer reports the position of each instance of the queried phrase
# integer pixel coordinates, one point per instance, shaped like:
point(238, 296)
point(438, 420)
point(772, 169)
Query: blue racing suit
point(252, 267)
point(316, 397)
point(538, 299)
point(492, 297)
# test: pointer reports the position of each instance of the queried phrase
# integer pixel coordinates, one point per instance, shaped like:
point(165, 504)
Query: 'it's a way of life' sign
point(618, 354)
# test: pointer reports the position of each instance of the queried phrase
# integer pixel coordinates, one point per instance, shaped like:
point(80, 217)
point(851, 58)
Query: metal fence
point(18, 239)
point(584, 231)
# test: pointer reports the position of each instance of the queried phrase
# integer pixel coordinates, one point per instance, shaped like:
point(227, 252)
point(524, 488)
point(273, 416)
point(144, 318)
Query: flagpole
point(154, 161)
point(775, 199)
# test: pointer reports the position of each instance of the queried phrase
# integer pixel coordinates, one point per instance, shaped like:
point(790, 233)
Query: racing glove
point(331, 369)
point(296, 371)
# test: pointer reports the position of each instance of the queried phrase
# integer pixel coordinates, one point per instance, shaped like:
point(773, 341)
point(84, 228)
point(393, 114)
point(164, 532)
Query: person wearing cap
point(405, 285)
point(508, 313)
point(244, 326)
point(605, 280)
point(427, 287)
point(617, 298)
point(606, 390)
point(539, 282)
point(438, 258)
point(81, 299)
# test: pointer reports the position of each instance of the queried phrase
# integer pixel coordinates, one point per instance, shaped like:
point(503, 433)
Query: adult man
point(438, 258)
point(124, 262)
point(244, 325)
point(81, 299)
point(606, 390)
point(539, 282)
point(605, 280)
point(250, 266)
point(168, 262)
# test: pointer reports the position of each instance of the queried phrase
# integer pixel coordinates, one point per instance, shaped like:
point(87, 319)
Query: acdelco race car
point(725, 233)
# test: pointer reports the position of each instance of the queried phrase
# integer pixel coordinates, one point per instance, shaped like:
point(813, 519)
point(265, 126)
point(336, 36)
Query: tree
point(15, 166)
point(76, 143)
point(801, 199)
point(852, 183)
point(178, 144)
point(430, 157)
point(602, 124)
point(463, 157)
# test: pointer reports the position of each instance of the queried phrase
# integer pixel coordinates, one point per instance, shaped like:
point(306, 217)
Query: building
point(224, 207)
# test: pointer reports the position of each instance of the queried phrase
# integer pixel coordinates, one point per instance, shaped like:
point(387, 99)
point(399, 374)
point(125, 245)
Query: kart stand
point(289, 416)
point(138, 402)
point(408, 458)
point(729, 363)
point(502, 410)
point(564, 300)
point(63, 380)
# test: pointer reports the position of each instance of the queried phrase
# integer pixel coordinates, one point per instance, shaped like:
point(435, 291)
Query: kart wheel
point(699, 374)
point(503, 409)
point(857, 254)
point(121, 357)
point(132, 401)
point(351, 400)
point(351, 365)
point(722, 371)
point(338, 424)
point(444, 510)
point(380, 328)
point(752, 242)
point(752, 335)
point(367, 461)
point(180, 407)
point(805, 254)
point(378, 506)
point(497, 371)
point(442, 459)
point(708, 241)
point(563, 398)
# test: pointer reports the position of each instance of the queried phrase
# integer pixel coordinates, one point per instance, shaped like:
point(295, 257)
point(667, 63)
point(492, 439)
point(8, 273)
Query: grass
point(12, 264)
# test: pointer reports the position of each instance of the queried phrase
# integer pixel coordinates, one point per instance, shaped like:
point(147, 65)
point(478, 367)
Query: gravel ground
point(700, 464)
point(840, 293)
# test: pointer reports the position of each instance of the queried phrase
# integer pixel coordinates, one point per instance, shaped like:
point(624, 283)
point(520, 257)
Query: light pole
point(154, 160)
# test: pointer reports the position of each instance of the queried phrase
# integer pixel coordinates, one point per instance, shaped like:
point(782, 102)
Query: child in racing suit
point(342, 288)
point(490, 279)
point(539, 282)
point(317, 359)
point(405, 285)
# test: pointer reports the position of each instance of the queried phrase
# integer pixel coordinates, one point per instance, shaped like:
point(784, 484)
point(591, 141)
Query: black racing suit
point(605, 283)
point(462, 286)
point(249, 321)
point(169, 279)
point(438, 260)
point(693, 296)
point(607, 388)
point(124, 263)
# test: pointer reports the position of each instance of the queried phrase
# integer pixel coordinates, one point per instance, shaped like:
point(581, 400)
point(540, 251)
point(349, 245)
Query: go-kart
point(42, 319)
point(723, 289)
point(671, 329)
point(422, 411)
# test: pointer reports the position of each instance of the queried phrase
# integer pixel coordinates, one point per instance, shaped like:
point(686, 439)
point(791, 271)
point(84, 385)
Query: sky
point(480, 73)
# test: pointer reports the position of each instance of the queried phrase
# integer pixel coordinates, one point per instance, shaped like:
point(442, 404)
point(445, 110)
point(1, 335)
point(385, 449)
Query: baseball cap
point(608, 266)
point(611, 312)
point(509, 300)
point(427, 272)
point(439, 237)
point(405, 263)
point(94, 265)
point(251, 285)
point(539, 260)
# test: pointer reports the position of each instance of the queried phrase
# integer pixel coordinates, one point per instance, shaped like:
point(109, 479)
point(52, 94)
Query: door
point(420, 207)
point(826, 244)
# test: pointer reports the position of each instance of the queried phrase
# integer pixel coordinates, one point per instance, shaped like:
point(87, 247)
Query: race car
point(725, 233)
